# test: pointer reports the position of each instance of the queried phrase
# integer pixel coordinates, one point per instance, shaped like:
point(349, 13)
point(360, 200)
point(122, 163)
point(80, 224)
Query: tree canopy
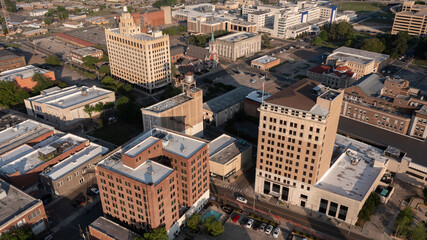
point(213, 226)
point(181, 29)
point(267, 43)
point(10, 6)
point(52, 60)
point(11, 95)
point(194, 221)
point(156, 234)
point(419, 232)
point(22, 233)
point(90, 61)
point(105, 69)
point(373, 45)
point(160, 3)
point(43, 82)
point(369, 207)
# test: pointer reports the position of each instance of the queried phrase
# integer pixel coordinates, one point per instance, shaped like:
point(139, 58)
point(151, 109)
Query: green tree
point(60, 84)
point(419, 232)
point(109, 105)
point(10, 94)
point(99, 107)
point(323, 35)
point(399, 45)
point(52, 60)
point(43, 82)
point(104, 58)
point(109, 83)
point(373, 45)
point(170, 91)
point(194, 221)
point(131, 9)
point(10, 6)
point(125, 89)
point(403, 222)
point(369, 207)
point(88, 109)
point(181, 29)
point(213, 226)
point(160, 3)
point(105, 69)
point(341, 31)
point(317, 40)
point(1, 20)
point(60, 9)
point(62, 14)
point(50, 12)
point(22, 233)
point(156, 234)
point(48, 20)
point(90, 61)
point(76, 10)
point(267, 40)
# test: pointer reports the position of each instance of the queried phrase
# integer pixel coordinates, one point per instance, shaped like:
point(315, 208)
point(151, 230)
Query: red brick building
point(78, 54)
point(73, 40)
point(334, 77)
point(10, 60)
point(22, 210)
point(144, 182)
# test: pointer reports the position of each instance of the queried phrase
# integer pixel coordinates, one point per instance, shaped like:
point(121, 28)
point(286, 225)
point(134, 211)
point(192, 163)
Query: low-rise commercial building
point(334, 77)
point(74, 171)
point(73, 40)
point(77, 17)
point(23, 76)
point(18, 209)
point(205, 25)
point(78, 54)
point(238, 45)
point(265, 62)
point(219, 110)
point(103, 228)
point(38, 13)
point(73, 24)
point(412, 19)
point(22, 165)
point(35, 32)
point(97, 20)
point(228, 155)
point(65, 107)
point(182, 113)
point(10, 60)
point(360, 62)
point(156, 169)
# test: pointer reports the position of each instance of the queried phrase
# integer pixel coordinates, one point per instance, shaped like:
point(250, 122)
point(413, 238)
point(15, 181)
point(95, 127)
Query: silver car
point(268, 229)
point(276, 232)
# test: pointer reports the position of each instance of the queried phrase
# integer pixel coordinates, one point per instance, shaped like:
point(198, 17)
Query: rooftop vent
point(84, 92)
point(150, 167)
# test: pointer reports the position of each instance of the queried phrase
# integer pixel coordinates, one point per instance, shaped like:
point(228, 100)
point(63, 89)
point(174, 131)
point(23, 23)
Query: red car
point(79, 202)
point(236, 218)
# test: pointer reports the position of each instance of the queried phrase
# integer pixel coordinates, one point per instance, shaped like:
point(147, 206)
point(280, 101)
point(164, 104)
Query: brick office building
point(78, 54)
point(19, 209)
point(9, 60)
point(144, 182)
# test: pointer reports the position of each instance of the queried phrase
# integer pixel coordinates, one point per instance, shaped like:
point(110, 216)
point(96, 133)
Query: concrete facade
point(65, 107)
point(412, 19)
point(138, 58)
point(265, 62)
point(238, 45)
point(182, 113)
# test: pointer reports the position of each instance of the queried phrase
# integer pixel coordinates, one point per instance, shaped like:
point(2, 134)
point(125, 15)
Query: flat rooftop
point(362, 53)
point(351, 58)
point(21, 133)
point(14, 203)
point(25, 158)
point(219, 143)
point(148, 172)
point(6, 55)
point(85, 51)
point(139, 36)
point(258, 96)
point(355, 170)
point(70, 96)
point(179, 144)
point(301, 95)
point(22, 72)
point(74, 161)
point(169, 103)
point(237, 37)
point(36, 31)
point(265, 59)
point(227, 99)
point(112, 229)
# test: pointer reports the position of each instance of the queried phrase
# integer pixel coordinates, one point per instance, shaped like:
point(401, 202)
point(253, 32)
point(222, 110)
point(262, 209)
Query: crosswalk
point(232, 188)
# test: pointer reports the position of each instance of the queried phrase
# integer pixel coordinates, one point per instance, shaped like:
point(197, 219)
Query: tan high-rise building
point(296, 139)
point(182, 113)
point(412, 19)
point(139, 58)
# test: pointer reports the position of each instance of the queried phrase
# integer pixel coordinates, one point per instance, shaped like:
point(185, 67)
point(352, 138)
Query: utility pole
point(6, 16)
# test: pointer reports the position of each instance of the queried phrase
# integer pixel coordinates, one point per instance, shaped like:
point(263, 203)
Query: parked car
point(250, 223)
point(256, 225)
point(252, 81)
point(228, 209)
point(268, 229)
point(48, 237)
point(262, 227)
point(79, 202)
point(242, 200)
point(236, 218)
point(95, 190)
point(276, 232)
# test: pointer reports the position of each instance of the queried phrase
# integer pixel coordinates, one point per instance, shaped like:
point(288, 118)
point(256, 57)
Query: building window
point(60, 183)
point(323, 205)
point(333, 209)
point(81, 180)
point(69, 178)
point(34, 214)
point(343, 212)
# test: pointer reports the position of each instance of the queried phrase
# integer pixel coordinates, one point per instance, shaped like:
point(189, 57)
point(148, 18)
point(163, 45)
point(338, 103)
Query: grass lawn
point(117, 132)
point(360, 6)
point(420, 62)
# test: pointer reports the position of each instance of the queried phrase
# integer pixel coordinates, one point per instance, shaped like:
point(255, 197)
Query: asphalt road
point(316, 225)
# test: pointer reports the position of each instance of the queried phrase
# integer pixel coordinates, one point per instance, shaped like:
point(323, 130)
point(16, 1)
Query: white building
point(38, 13)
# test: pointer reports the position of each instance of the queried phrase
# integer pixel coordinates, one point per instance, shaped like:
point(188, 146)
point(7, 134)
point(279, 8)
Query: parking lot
point(50, 44)
point(93, 34)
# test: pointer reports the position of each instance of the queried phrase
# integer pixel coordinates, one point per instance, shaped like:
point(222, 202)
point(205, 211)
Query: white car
point(95, 190)
point(276, 232)
point(242, 200)
point(249, 223)
point(252, 81)
point(268, 229)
